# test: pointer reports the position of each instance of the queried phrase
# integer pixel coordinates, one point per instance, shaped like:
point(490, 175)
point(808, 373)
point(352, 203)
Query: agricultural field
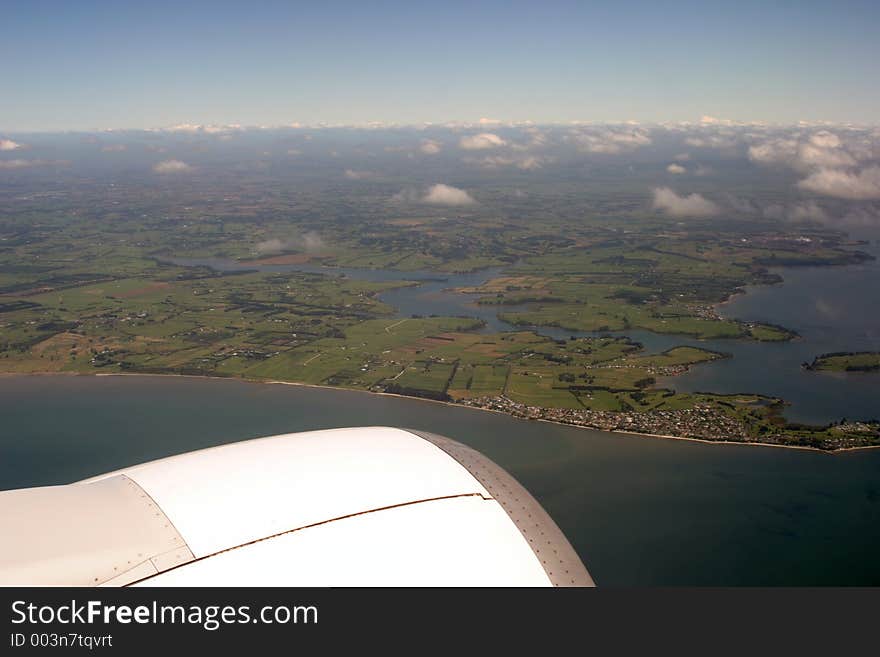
point(858, 361)
point(640, 287)
point(88, 285)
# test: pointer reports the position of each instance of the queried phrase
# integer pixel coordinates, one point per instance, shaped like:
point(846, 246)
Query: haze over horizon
point(95, 65)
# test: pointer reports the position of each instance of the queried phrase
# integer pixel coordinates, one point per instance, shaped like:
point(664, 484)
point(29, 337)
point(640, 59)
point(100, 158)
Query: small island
point(846, 361)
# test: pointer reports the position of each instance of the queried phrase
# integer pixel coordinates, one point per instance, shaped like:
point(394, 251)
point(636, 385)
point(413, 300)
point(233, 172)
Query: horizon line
point(225, 128)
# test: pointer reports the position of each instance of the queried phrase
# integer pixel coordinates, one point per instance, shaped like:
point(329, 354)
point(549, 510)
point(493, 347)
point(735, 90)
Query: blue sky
point(92, 65)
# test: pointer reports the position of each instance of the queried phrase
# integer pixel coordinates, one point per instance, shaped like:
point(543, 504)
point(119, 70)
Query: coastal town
point(702, 422)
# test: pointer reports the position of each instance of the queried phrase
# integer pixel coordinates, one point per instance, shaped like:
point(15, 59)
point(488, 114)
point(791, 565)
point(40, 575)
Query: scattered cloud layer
point(833, 170)
point(726, 140)
point(789, 211)
point(841, 164)
point(196, 128)
point(711, 120)
point(822, 149)
point(172, 166)
point(809, 211)
point(610, 139)
point(853, 185)
point(693, 205)
point(481, 141)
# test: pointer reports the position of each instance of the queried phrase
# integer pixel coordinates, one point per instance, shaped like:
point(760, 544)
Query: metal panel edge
point(559, 559)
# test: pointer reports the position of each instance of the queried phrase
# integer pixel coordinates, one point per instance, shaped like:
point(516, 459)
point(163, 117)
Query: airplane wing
point(373, 506)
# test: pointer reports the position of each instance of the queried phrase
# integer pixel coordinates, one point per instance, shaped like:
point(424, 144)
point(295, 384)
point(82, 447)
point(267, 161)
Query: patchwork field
point(86, 286)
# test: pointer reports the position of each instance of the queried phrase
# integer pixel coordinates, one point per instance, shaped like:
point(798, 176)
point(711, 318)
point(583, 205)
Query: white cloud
point(195, 128)
point(485, 121)
point(8, 145)
point(172, 166)
point(776, 151)
point(531, 162)
point(441, 194)
point(183, 127)
point(24, 164)
point(438, 194)
point(692, 205)
point(825, 139)
point(524, 162)
point(430, 147)
point(807, 153)
point(859, 185)
point(17, 164)
point(676, 169)
point(312, 241)
point(270, 247)
point(811, 155)
point(351, 174)
point(720, 141)
point(309, 242)
point(611, 139)
point(221, 129)
point(481, 141)
point(807, 211)
point(636, 137)
point(711, 120)
point(406, 196)
point(537, 139)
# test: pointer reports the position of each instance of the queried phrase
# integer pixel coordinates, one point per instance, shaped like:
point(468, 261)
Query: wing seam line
point(315, 524)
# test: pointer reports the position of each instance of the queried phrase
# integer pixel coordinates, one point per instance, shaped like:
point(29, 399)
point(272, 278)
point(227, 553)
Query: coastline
point(446, 403)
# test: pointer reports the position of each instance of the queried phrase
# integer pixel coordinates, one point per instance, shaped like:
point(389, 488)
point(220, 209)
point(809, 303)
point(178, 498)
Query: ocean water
point(640, 511)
